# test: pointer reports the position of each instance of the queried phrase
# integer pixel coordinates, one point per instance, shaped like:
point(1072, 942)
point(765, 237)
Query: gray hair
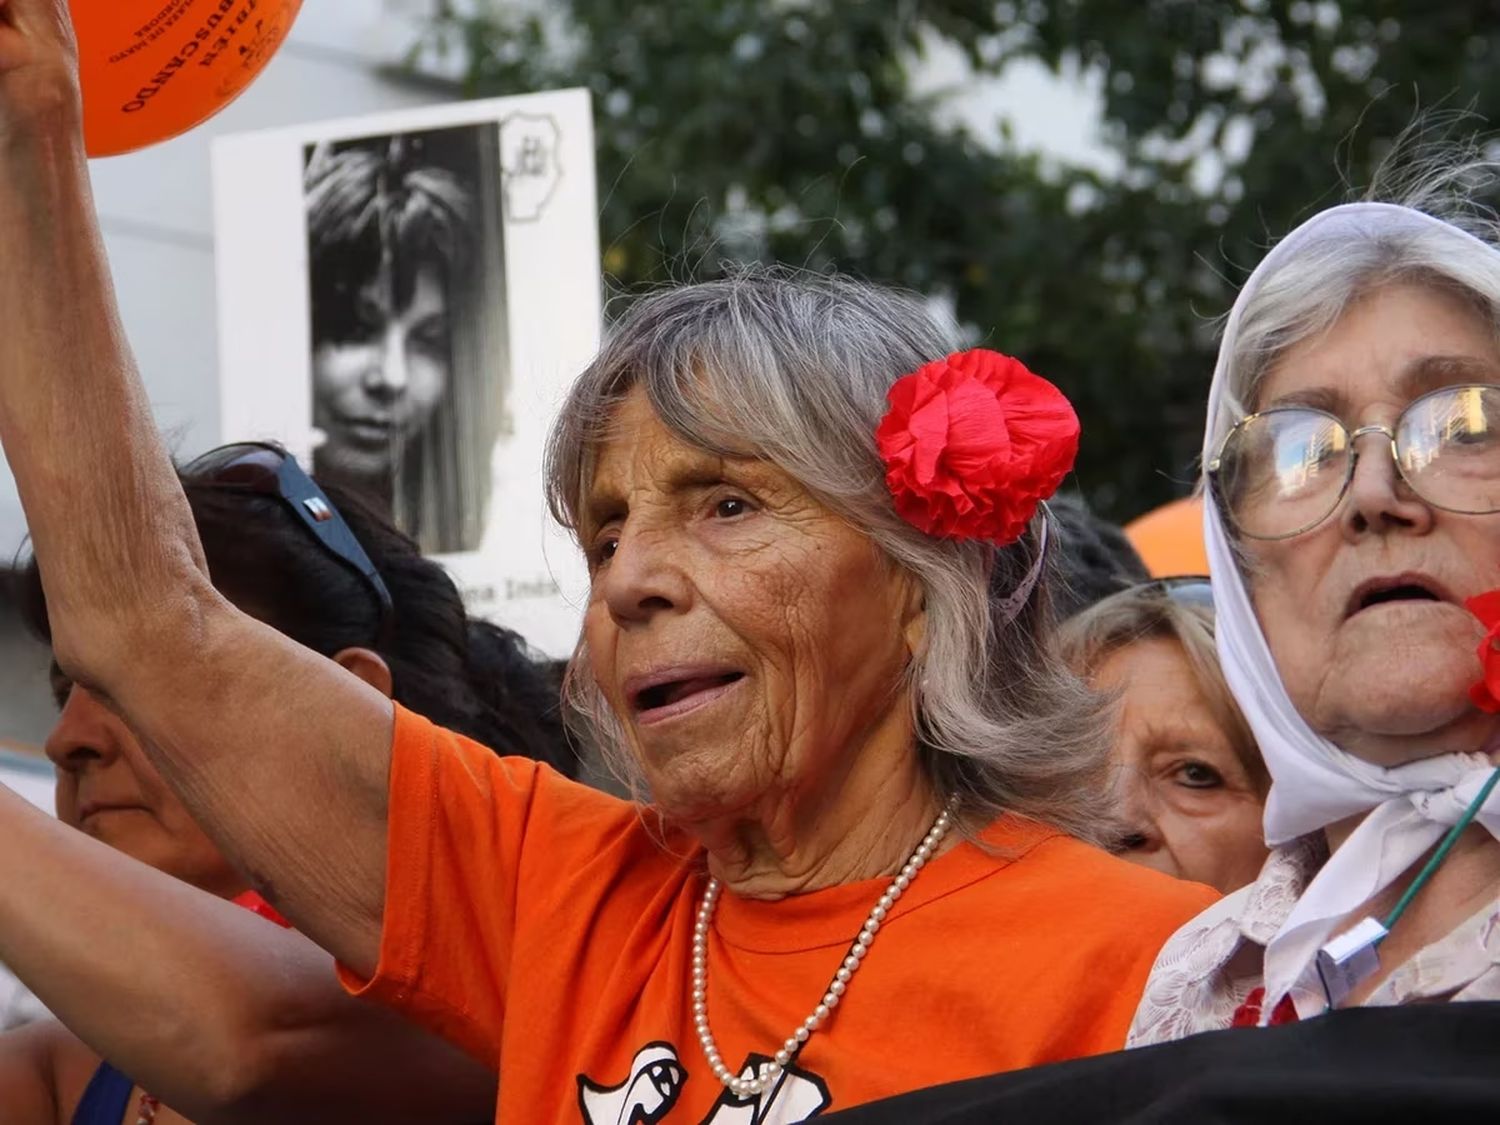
point(1318, 281)
point(794, 369)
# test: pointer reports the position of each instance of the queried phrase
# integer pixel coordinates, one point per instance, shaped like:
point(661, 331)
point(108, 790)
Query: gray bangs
point(1317, 285)
point(793, 369)
point(1443, 178)
point(742, 368)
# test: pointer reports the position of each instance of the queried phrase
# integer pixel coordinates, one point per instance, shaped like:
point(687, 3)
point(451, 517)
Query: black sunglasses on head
point(269, 470)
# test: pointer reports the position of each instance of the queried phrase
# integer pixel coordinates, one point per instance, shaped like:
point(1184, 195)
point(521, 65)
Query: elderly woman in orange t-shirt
point(858, 867)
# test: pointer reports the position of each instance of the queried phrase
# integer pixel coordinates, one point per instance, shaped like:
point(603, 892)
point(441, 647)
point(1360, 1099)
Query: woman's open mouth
point(671, 692)
point(1396, 590)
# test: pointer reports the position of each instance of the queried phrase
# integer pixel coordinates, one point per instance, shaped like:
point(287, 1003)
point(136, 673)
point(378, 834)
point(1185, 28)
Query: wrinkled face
point(108, 788)
point(376, 390)
point(1364, 613)
point(1191, 806)
point(750, 641)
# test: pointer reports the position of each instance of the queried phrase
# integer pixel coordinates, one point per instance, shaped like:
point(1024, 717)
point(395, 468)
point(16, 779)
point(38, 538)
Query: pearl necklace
point(744, 1087)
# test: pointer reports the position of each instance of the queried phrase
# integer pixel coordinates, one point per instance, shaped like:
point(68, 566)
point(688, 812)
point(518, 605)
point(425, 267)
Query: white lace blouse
point(1208, 967)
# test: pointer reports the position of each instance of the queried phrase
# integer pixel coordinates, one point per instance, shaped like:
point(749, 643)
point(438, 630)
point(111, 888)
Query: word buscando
point(209, 41)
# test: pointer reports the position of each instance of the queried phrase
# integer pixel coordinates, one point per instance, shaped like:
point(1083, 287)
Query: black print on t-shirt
point(656, 1080)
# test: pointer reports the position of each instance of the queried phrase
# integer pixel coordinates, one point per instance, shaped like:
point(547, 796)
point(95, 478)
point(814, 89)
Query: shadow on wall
point(26, 710)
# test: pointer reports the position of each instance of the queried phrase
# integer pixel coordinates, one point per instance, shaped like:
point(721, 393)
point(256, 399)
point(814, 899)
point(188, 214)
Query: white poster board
point(403, 301)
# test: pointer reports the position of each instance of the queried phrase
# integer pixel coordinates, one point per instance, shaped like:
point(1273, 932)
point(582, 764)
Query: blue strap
point(106, 1099)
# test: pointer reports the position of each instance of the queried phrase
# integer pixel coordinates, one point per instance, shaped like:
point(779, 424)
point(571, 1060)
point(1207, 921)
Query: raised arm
point(247, 1022)
point(280, 754)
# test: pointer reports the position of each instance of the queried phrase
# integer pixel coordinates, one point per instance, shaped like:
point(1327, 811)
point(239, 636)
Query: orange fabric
point(547, 928)
point(1170, 538)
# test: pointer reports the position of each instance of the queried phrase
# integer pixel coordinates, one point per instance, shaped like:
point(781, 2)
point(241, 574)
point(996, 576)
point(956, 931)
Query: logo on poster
point(530, 170)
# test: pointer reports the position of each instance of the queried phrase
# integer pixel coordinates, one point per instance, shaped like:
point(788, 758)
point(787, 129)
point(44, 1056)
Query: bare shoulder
point(44, 1070)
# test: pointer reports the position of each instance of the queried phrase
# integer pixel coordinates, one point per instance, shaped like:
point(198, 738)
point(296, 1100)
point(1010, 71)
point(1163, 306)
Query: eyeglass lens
point(1285, 471)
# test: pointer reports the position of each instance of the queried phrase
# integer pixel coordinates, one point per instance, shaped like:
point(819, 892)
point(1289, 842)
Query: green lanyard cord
point(1443, 849)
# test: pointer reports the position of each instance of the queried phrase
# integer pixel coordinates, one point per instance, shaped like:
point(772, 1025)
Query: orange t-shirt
point(547, 928)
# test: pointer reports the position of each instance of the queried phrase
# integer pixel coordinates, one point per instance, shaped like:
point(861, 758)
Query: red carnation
point(1486, 693)
point(1248, 1013)
point(973, 443)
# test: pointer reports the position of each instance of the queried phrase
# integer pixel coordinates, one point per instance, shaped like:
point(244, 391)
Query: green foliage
point(787, 130)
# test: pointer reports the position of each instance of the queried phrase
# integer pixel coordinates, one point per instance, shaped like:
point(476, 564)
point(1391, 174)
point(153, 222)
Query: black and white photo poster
point(403, 301)
point(406, 287)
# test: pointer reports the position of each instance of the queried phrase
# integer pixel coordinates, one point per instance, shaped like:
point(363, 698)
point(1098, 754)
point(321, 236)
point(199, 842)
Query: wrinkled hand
point(38, 67)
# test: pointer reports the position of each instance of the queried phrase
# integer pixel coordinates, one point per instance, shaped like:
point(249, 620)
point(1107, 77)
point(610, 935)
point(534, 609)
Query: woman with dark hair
point(408, 324)
point(323, 568)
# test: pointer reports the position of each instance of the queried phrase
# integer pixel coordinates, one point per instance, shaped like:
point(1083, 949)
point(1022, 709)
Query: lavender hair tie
point(1011, 605)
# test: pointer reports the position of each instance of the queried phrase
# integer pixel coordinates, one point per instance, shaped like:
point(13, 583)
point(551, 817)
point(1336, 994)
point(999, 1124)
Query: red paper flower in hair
point(973, 443)
point(1486, 693)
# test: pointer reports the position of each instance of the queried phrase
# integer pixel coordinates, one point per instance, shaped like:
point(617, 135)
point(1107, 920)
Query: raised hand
point(38, 66)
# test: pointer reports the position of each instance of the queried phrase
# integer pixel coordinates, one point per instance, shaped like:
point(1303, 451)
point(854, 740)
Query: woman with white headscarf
point(1352, 463)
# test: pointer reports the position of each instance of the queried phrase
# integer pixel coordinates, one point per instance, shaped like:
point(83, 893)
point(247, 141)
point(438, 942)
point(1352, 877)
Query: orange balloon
point(151, 69)
point(1170, 539)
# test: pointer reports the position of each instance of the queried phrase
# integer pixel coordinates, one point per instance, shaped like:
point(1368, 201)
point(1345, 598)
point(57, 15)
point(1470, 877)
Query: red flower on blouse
point(1486, 693)
point(973, 443)
point(1248, 1013)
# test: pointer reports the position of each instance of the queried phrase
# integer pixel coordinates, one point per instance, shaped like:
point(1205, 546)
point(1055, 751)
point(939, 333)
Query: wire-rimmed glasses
point(1283, 471)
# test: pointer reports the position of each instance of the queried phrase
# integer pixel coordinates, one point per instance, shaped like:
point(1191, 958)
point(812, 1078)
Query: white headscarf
point(1313, 782)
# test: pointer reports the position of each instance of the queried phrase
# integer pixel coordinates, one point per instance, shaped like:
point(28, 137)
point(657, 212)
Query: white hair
point(794, 369)
point(1320, 278)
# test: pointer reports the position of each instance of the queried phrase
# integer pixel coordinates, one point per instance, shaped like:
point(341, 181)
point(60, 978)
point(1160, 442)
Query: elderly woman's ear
point(369, 666)
point(914, 615)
